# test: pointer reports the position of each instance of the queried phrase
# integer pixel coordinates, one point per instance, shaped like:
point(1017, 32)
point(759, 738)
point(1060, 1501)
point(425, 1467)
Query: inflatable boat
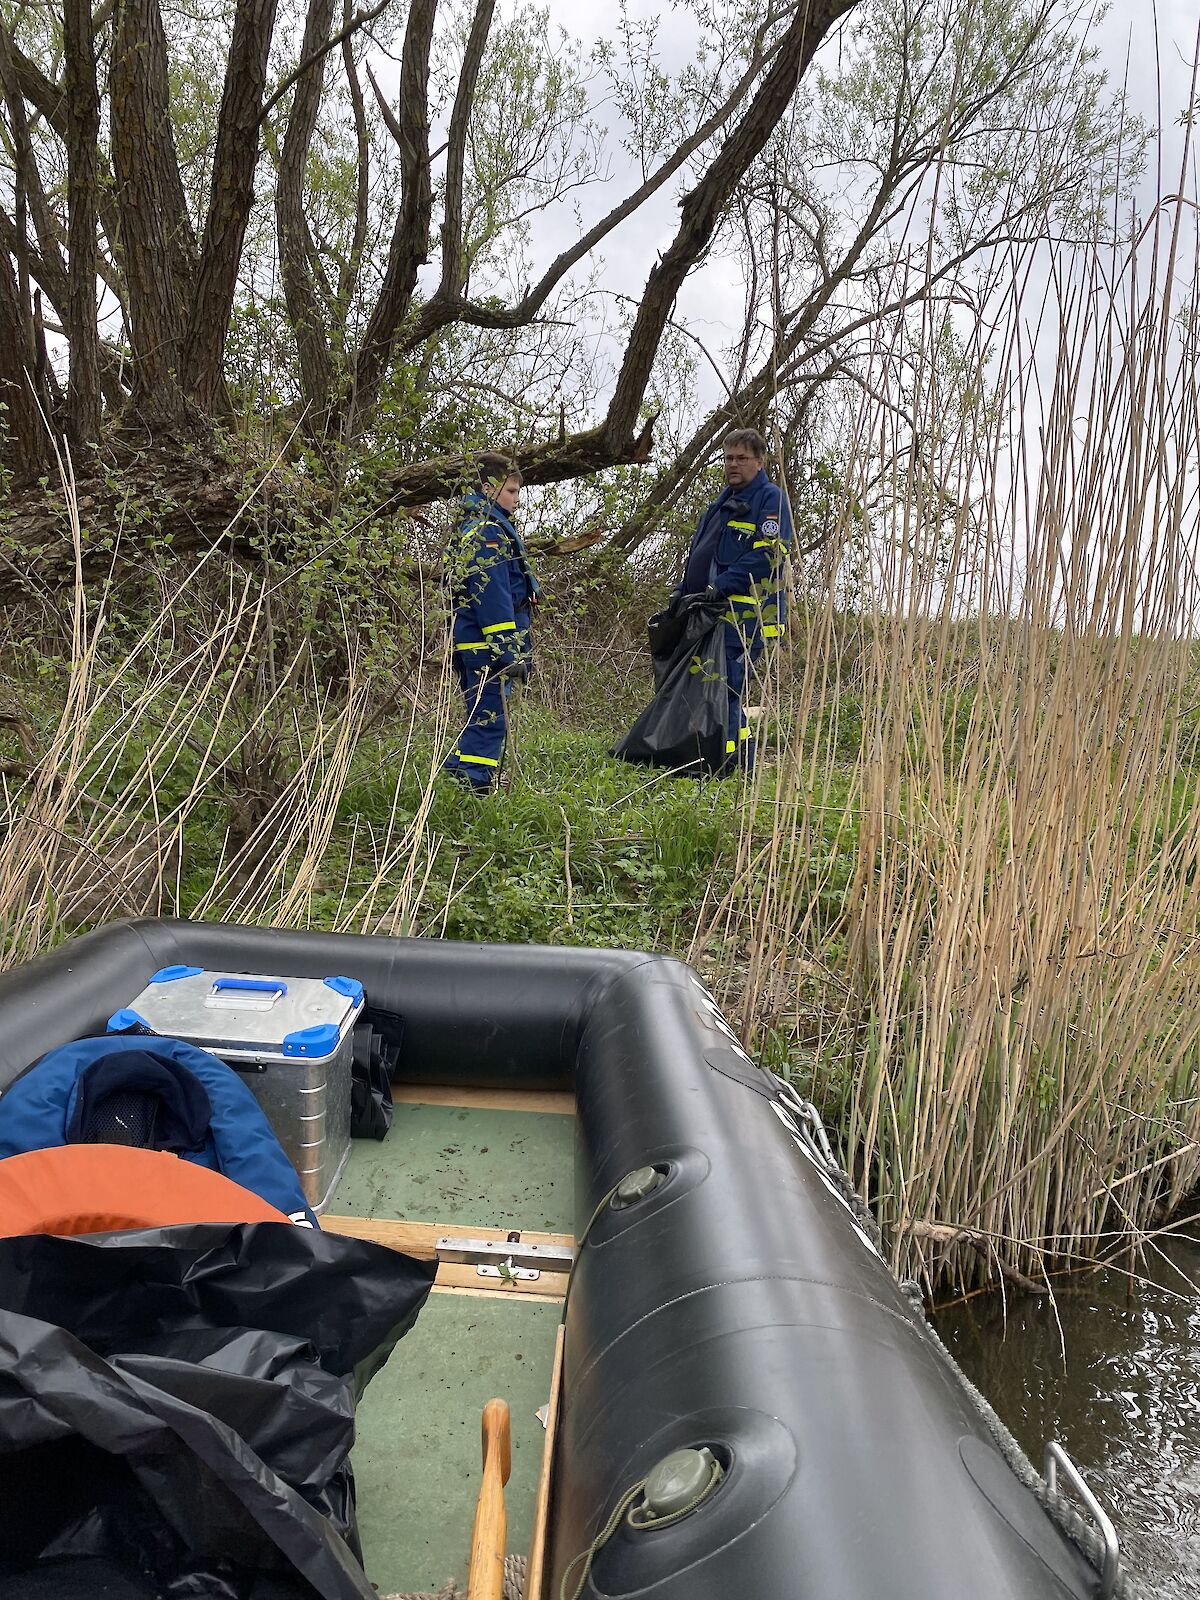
point(717, 1387)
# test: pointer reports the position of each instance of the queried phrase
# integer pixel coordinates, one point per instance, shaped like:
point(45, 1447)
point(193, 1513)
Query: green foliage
point(579, 849)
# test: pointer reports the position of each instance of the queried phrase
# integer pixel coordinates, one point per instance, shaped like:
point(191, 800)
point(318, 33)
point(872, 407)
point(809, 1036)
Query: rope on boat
point(1061, 1512)
point(514, 1585)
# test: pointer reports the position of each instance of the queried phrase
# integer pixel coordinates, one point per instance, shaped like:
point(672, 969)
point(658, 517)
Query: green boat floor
point(418, 1458)
point(465, 1166)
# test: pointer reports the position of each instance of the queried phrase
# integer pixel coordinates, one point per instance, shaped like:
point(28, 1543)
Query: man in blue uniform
point(737, 556)
point(494, 591)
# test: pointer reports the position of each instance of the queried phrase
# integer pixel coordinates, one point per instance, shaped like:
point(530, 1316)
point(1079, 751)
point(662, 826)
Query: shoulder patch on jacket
point(771, 527)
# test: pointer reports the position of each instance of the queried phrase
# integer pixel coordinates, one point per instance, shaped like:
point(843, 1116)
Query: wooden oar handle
point(485, 1579)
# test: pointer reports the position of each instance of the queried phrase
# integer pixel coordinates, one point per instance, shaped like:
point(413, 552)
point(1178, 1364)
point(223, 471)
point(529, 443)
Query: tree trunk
point(156, 246)
point(83, 136)
point(555, 461)
point(168, 505)
point(26, 446)
point(296, 250)
point(410, 238)
point(48, 99)
point(231, 197)
point(703, 208)
point(51, 273)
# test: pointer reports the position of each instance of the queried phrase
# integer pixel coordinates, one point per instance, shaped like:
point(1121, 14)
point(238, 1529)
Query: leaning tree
point(371, 237)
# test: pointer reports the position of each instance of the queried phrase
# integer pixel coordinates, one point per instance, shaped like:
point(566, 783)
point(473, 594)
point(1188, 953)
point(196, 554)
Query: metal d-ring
point(810, 1119)
point(1055, 1456)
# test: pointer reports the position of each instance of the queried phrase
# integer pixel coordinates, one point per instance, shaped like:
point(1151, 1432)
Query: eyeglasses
point(730, 457)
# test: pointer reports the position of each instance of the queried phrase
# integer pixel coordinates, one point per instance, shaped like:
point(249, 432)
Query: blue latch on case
point(350, 987)
point(127, 1021)
point(320, 1040)
point(170, 974)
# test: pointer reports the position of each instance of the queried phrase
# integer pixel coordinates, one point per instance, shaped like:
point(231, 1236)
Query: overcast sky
point(1150, 49)
point(1156, 67)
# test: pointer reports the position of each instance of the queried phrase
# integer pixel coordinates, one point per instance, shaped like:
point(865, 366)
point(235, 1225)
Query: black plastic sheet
point(686, 724)
point(177, 1408)
point(664, 634)
point(377, 1041)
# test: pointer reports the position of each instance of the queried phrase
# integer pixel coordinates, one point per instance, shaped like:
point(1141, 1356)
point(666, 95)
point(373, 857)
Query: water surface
point(1112, 1371)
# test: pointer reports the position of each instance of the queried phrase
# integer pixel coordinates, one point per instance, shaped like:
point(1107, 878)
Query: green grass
point(576, 848)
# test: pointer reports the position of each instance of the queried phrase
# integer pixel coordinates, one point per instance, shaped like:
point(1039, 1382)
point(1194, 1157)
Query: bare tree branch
point(231, 195)
point(313, 57)
point(348, 275)
point(703, 207)
point(410, 238)
point(460, 122)
point(444, 307)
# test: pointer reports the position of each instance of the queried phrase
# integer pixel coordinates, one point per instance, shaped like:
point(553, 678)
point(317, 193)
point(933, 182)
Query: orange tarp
point(106, 1188)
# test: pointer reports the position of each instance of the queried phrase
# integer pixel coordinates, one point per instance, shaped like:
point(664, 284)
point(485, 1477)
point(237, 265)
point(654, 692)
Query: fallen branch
point(945, 1233)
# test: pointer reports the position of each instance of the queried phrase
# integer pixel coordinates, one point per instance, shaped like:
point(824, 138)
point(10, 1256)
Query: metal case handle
point(252, 985)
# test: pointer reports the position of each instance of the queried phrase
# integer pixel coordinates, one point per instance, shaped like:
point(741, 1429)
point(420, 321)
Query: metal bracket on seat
point(1054, 1458)
point(506, 1258)
point(508, 1272)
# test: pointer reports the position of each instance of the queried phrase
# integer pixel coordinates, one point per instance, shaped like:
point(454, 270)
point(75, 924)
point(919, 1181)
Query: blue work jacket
point(749, 531)
point(493, 587)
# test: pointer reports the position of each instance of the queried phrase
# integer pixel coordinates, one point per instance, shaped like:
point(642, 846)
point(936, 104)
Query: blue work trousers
point(479, 748)
point(742, 650)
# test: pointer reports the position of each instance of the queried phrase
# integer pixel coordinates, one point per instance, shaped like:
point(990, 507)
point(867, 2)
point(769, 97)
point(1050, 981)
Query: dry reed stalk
point(407, 842)
point(1039, 1004)
point(1019, 1040)
point(110, 771)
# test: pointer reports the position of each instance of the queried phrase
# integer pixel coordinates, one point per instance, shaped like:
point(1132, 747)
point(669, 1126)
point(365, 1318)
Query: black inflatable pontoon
point(739, 1305)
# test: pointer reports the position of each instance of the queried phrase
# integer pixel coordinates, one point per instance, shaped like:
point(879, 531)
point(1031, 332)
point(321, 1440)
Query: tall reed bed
point(206, 740)
point(1011, 982)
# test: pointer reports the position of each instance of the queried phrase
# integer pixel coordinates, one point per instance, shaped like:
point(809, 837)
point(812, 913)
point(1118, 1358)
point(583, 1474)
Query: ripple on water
point(1113, 1373)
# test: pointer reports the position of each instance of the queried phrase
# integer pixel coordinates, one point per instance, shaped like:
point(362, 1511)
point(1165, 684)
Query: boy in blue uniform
point(737, 556)
point(494, 591)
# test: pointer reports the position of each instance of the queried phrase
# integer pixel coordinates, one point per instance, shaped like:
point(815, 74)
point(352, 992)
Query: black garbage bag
point(685, 725)
point(177, 1408)
point(664, 632)
point(377, 1041)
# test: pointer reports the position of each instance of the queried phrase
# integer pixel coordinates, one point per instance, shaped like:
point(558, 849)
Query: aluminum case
point(291, 1039)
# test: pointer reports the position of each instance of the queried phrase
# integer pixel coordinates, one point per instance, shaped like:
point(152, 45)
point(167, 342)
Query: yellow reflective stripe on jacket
point(500, 627)
point(771, 632)
point(769, 544)
point(479, 761)
point(745, 599)
point(482, 646)
point(744, 527)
